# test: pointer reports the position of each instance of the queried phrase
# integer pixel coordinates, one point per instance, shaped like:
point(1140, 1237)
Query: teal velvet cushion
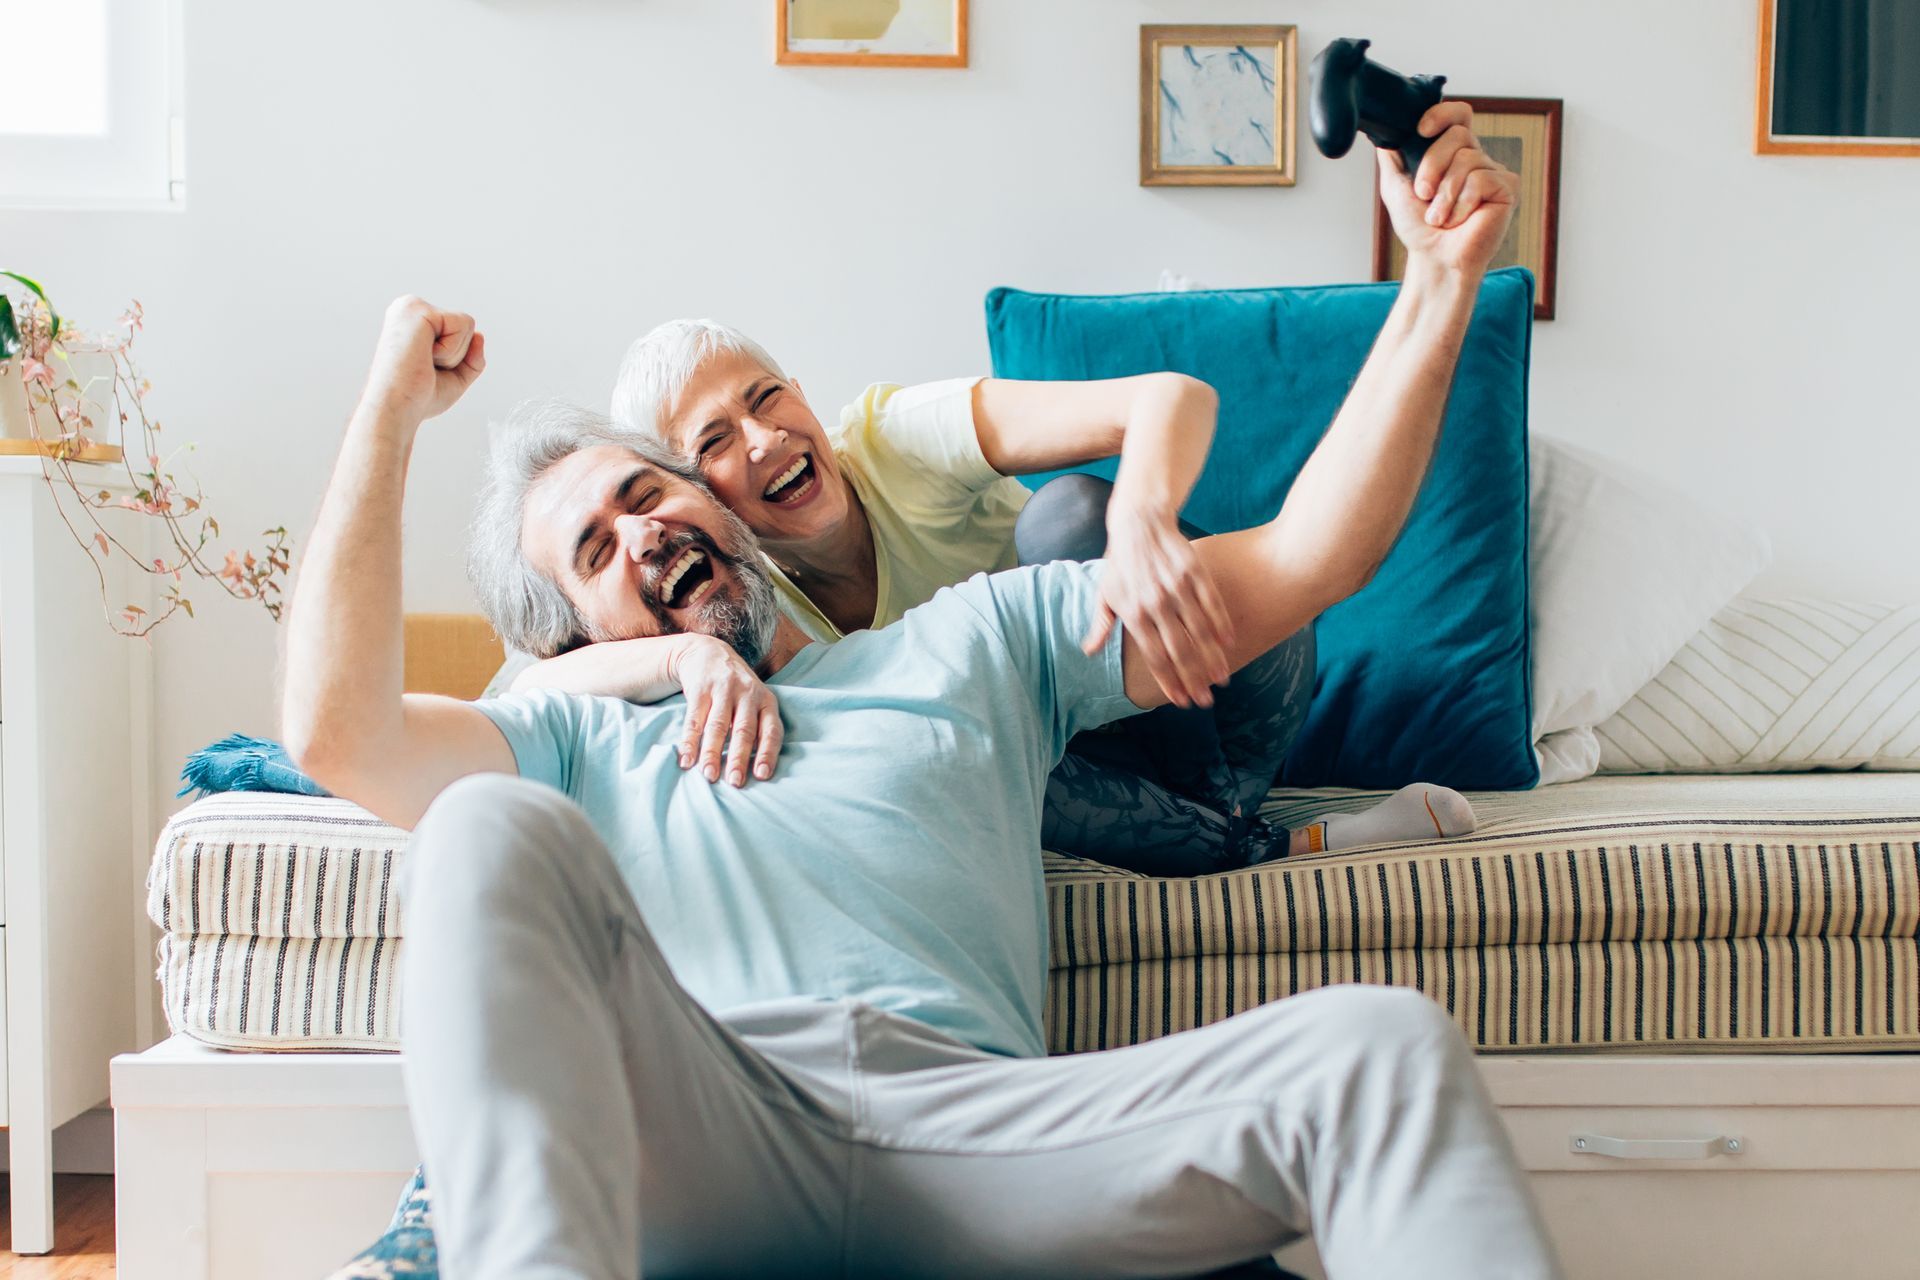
point(1423, 674)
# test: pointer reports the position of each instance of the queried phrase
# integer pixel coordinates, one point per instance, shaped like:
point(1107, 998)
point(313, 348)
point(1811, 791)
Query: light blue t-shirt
point(894, 857)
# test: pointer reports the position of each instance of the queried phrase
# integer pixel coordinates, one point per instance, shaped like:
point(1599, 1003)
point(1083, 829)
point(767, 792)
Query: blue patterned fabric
point(407, 1249)
point(240, 763)
point(1424, 674)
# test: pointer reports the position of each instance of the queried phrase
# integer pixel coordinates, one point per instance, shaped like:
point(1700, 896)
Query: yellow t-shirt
point(939, 513)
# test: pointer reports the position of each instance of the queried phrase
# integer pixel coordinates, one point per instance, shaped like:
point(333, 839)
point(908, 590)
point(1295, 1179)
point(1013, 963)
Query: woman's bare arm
point(1348, 504)
point(731, 712)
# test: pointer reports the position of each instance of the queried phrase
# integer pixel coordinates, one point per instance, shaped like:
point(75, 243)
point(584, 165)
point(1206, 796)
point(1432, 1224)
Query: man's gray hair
point(659, 365)
point(527, 608)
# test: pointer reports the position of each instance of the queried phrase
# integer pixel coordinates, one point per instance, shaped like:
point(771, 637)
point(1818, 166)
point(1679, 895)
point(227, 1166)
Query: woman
point(913, 493)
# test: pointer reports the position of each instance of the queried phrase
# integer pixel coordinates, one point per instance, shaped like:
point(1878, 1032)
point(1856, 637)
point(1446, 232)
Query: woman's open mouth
point(795, 484)
point(687, 581)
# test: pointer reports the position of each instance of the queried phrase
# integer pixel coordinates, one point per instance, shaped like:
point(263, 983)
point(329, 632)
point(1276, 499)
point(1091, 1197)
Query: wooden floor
point(83, 1228)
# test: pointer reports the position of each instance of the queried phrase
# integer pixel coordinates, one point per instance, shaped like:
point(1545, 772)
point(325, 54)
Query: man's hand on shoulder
point(425, 361)
point(1454, 212)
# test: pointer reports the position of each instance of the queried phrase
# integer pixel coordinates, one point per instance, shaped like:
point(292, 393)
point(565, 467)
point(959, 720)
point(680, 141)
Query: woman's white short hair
point(527, 608)
point(659, 365)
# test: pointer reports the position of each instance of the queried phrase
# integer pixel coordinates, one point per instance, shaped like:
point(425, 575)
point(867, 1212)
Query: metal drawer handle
point(1594, 1144)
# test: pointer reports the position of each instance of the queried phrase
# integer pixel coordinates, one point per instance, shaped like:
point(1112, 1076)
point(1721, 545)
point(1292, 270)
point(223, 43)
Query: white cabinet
point(73, 826)
point(279, 1166)
point(254, 1166)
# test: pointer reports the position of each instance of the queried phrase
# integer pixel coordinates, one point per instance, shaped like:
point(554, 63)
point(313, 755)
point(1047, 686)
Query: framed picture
point(1217, 106)
point(1524, 135)
point(871, 33)
point(1837, 78)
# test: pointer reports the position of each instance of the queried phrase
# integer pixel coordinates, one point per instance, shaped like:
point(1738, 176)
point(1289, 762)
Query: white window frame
point(139, 163)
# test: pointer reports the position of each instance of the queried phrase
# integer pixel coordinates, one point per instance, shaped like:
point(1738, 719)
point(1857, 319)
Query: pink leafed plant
point(37, 347)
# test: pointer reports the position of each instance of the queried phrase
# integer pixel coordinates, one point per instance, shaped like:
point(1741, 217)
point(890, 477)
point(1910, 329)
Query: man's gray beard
point(747, 623)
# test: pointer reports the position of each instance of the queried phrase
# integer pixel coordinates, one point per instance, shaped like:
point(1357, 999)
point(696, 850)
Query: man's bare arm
point(1350, 501)
point(343, 715)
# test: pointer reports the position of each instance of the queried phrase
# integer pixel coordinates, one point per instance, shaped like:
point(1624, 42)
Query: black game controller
point(1352, 92)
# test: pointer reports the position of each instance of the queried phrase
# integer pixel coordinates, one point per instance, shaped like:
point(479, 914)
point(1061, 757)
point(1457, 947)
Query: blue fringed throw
point(240, 763)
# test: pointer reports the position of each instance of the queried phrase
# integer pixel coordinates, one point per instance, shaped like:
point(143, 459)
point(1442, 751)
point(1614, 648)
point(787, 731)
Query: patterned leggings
point(1173, 791)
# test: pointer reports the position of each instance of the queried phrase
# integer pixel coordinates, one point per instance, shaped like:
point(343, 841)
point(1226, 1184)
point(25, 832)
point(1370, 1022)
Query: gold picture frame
point(1767, 142)
point(1218, 105)
point(870, 33)
point(1524, 135)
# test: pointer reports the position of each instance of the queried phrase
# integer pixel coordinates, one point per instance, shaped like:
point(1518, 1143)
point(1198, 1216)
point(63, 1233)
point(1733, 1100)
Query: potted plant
point(15, 425)
point(72, 400)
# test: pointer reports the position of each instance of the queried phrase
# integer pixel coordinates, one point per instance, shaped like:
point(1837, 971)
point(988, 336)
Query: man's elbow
point(310, 757)
point(299, 736)
point(326, 756)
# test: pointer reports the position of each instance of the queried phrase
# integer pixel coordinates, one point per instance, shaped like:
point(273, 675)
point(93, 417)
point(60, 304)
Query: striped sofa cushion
point(1774, 685)
point(279, 922)
point(1757, 913)
point(1739, 912)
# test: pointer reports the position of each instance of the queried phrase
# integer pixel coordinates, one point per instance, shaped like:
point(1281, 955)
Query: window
point(90, 116)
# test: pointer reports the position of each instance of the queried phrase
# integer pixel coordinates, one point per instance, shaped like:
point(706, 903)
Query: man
point(659, 1026)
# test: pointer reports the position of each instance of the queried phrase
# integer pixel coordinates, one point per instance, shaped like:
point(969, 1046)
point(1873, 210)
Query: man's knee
point(492, 838)
point(507, 880)
point(482, 797)
point(1065, 519)
point(1395, 1027)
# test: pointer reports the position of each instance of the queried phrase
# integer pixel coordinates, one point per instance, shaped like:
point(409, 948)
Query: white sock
point(1418, 811)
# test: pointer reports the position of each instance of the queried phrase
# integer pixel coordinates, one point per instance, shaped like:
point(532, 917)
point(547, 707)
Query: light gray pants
point(581, 1116)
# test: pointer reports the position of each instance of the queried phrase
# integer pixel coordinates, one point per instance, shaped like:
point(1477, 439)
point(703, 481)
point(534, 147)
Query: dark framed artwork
point(1524, 135)
point(1838, 78)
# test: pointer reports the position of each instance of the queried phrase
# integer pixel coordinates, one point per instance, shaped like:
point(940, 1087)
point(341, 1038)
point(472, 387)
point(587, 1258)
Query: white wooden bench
point(250, 1166)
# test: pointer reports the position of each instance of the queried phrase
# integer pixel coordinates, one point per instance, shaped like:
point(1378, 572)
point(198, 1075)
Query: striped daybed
point(1707, 913)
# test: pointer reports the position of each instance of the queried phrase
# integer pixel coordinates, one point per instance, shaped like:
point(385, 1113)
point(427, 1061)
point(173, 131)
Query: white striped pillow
point(1773, 686)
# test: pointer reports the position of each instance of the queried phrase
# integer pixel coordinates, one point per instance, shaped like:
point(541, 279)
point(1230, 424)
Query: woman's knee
point(1267, 703)
point(1065, 519)
point(1302, 650)
point(1306, 643)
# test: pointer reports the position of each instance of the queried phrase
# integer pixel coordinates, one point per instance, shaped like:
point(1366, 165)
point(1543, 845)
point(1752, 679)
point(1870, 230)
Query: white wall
point(573, 170)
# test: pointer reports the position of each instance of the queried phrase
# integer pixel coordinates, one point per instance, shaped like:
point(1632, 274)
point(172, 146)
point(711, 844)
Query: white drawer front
point(1821, 1188)
point(1675, 1225)
point(1770, 1139)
